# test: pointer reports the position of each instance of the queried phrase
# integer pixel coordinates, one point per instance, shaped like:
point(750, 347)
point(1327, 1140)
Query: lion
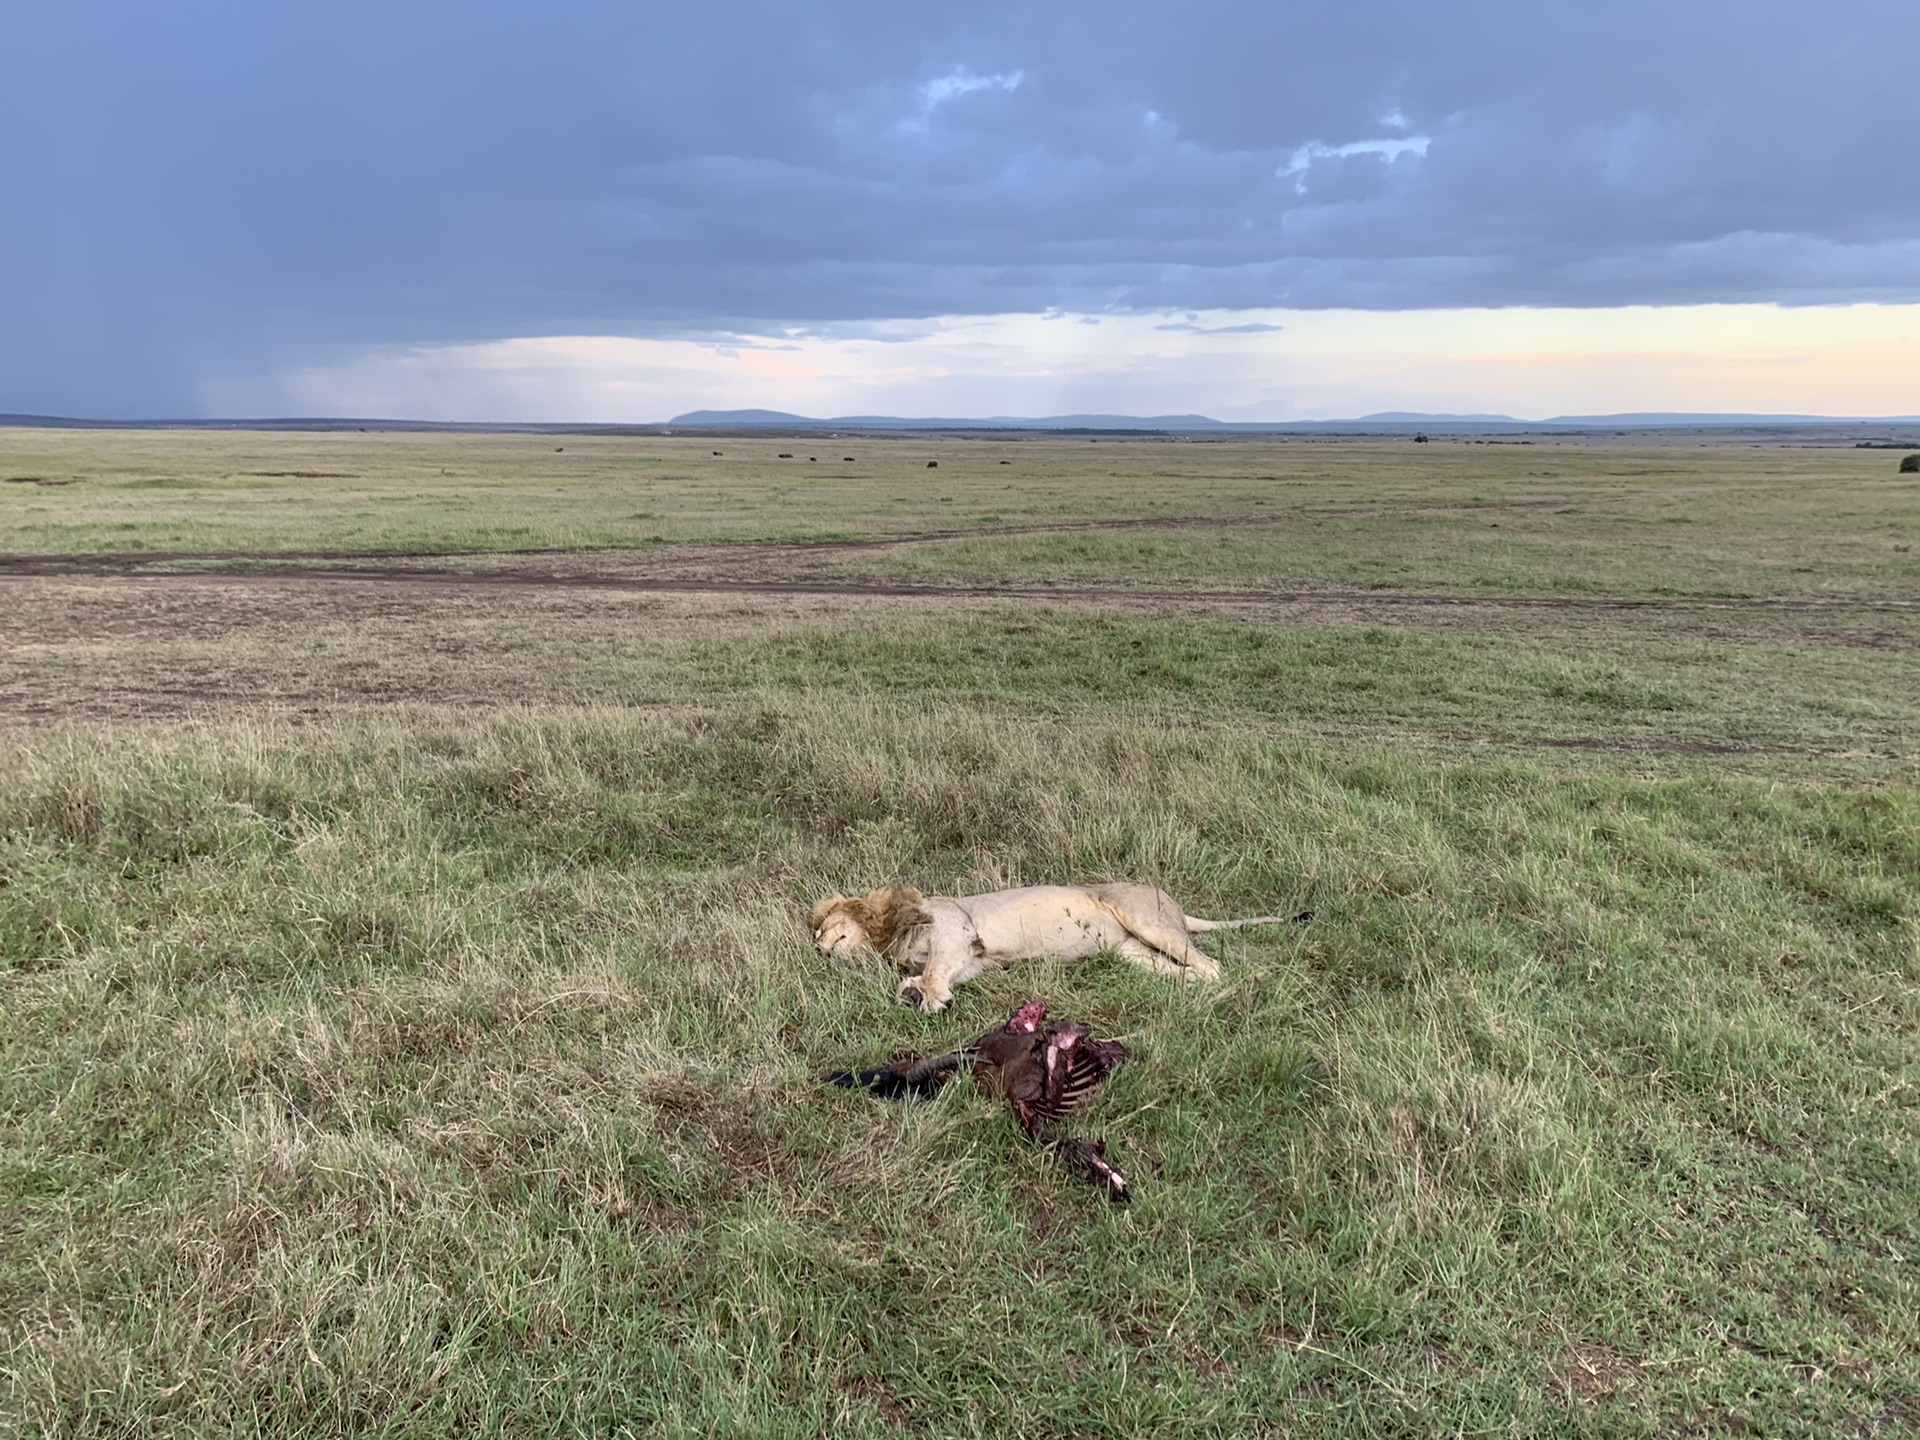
point(943, 941)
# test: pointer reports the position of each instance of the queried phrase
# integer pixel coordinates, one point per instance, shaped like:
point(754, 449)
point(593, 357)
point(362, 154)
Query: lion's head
point(843, 923)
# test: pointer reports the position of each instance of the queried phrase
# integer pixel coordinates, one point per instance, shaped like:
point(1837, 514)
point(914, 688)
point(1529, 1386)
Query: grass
point(1560, 518)
point(443, 1057)
point(1662, 692)
point(453, 1075)
point(1573, 551)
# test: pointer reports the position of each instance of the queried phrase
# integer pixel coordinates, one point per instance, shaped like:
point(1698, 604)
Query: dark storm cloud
point(206, 188)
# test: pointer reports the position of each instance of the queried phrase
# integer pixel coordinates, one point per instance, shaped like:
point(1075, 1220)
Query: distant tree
point(1910, 464)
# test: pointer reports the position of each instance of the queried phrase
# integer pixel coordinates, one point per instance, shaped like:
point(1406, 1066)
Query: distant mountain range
point(780, 419)
point(703, 418)
point(1381, 421)
point(1665, 418)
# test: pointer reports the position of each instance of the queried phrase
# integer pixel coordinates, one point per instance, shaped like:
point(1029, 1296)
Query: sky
point(1254, 210)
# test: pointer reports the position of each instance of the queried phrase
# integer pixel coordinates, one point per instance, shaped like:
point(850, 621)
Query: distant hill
point(1663, 418)
point(740, 417)
point(1393, 420)
point(1380, 422)
point(780, 418)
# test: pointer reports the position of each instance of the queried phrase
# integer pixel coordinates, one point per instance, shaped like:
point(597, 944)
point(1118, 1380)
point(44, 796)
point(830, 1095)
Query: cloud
point(1324, 364)
point(962, 81)
point(1194, 328)
point(1300, 163)
point(211, 188)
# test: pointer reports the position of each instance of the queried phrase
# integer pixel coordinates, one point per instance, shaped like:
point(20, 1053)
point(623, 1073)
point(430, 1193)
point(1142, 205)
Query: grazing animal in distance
point(939, 942)
point(1043, 1069)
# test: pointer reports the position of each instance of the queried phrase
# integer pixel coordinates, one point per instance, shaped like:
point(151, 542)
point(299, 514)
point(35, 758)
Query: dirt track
point(755, 569)
point(159, 636)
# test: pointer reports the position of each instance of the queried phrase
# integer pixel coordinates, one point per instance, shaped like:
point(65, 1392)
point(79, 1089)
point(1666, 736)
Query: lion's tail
point(910, 1080)
point(1197, 926)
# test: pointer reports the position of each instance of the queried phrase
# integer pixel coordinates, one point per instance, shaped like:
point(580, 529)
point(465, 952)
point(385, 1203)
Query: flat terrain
point(1556, 518)
point(410, 1028)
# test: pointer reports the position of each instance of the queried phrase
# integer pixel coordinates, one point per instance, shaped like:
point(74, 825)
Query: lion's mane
point(883, 915)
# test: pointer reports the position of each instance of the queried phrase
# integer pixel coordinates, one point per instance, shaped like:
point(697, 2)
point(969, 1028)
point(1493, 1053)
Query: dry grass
point(1779, 692)
point(413, 1032)
point(429, 1073)
point(1553, 519)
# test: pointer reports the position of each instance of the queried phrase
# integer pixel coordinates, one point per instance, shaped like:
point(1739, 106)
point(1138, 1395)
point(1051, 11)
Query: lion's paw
point(917, 998)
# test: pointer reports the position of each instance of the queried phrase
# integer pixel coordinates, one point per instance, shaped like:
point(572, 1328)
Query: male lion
point(940, 941)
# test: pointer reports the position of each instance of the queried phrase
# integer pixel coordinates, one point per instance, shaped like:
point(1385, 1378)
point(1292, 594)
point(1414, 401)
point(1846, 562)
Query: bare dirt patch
point(805, 568)
point(199, 646)
point(1590, 1373)
point(149, 638)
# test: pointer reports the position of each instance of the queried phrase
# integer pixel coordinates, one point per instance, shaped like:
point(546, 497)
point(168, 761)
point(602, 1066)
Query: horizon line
point(748, 418)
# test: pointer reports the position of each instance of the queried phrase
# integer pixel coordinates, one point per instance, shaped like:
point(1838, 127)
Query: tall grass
point(428, 1074)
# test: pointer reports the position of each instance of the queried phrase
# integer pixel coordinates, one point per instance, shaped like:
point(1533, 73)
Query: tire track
point(282, 568)
point(88, 562)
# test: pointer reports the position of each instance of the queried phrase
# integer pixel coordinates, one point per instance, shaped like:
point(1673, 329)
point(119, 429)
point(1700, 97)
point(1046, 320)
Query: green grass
point(403, 1070)
point(1615, 690)
point(1556, 519)
point(424, 1075)
point(1524, 552)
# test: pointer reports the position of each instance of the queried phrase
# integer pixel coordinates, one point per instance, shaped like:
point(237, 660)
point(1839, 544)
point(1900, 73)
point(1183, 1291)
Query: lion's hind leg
point(1172, 943)
point(1140, 953)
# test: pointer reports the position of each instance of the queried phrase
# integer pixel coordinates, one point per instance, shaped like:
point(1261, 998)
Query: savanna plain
point(410, 1026)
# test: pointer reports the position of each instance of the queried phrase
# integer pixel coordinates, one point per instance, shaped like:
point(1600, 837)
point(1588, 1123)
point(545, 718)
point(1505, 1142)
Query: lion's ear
point(826, 908)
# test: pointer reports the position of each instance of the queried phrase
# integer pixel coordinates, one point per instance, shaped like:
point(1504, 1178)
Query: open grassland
point(1556, 518)
point(1789, 702)
point(409, 1028)
point(450, 1076)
